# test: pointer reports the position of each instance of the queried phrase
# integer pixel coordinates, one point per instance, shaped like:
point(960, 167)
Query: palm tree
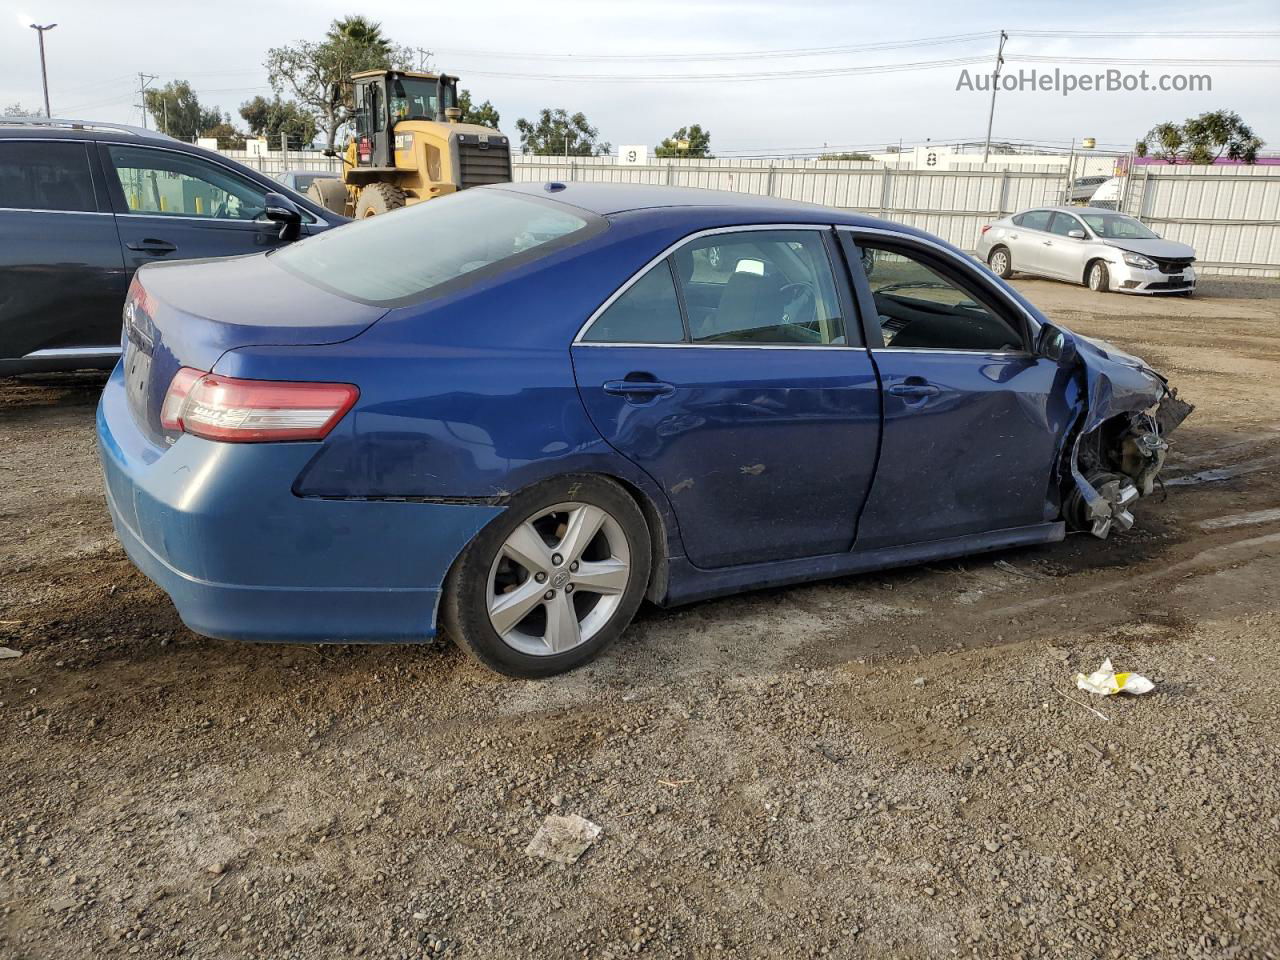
point(360, 30)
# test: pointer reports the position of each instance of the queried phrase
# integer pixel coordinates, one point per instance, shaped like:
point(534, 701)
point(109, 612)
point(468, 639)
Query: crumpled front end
point(1122, 441)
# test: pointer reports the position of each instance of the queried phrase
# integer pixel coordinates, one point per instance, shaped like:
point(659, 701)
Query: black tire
point(330, 194)
point(994, 262)
point(1097, 277)
point(464, 607)
point(379, 198)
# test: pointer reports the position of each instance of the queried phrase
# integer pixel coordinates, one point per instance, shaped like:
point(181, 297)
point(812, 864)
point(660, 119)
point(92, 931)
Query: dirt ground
point(887, 765)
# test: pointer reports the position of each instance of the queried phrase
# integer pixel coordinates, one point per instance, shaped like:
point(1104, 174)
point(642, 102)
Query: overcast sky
point(99, 46)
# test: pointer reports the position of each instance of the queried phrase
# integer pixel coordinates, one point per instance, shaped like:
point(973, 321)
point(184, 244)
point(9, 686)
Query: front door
point(972, 419)
point(726, 373)
point(172, 205)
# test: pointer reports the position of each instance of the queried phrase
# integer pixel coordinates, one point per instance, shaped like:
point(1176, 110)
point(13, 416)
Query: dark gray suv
point(83, 205)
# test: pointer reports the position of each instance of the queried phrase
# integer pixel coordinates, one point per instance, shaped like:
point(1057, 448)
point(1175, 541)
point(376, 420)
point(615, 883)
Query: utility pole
point(44, 74)
point(143, 80)
point(995, 85)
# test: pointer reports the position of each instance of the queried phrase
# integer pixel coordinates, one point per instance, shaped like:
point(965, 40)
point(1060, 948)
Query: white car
point(1090, 245)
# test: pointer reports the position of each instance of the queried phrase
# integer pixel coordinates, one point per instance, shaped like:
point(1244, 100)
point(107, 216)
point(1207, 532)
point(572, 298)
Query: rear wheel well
point(657, 588)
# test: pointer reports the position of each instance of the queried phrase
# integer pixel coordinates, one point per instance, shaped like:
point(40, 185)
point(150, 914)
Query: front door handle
point(646, 389)
point(150, 245)
point(913, 390)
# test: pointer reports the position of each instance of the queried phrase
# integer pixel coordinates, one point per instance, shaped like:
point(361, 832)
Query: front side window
point(648, 312)
point(922, 307)
point(1116, 226)
point(165, 182)
point(760, 287)
point(45, 176)
point(1063, 223)
point(398, 257)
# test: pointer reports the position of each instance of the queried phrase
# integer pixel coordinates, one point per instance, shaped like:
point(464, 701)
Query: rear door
point(727, 373)
point(1027, 241)
point(172, 205)
point(62, 279)
point(972, 418)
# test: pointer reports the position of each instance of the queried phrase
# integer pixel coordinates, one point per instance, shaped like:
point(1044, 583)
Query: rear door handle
point(638, 388)
point(1048, 243)
point(158, 247)
point(913, 390)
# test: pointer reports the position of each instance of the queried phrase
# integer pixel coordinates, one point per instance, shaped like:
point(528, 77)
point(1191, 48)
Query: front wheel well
point(1084, 278)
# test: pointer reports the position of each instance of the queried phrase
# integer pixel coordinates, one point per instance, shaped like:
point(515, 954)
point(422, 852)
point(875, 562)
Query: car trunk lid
point(189, 314)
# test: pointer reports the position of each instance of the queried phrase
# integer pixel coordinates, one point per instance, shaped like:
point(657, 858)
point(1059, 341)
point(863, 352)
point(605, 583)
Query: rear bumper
point(218, 528)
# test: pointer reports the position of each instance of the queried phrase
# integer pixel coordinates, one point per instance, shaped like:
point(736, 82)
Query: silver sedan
point(1101, 248)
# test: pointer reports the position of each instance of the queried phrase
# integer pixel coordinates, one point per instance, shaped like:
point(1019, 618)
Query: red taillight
point(985, 228)
point(251, 411)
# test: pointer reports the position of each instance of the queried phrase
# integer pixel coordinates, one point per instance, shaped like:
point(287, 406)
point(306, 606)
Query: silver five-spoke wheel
point(558, 578)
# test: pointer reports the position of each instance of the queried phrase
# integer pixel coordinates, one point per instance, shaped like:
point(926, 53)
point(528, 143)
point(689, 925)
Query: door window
point(1063, 224)
point(922, 306)
point(165, 182)
point(45, 176)
point(1034, 219)
point(647, 313)
point(760, 287)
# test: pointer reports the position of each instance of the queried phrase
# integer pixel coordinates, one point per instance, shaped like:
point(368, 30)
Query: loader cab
point(384, 98)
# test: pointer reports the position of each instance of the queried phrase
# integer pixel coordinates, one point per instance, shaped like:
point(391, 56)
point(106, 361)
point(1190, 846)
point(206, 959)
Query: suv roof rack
point(65, 124)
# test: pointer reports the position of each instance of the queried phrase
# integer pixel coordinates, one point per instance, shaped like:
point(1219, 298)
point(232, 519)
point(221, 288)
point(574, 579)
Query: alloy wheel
point(558, 578)
point(999, 262)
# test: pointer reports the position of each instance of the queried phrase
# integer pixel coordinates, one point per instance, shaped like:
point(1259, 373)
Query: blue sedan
point(518, 411)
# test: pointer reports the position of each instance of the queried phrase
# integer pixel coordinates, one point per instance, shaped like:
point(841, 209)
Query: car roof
point(1076, 210)
point(62, 128)
point(609, 199)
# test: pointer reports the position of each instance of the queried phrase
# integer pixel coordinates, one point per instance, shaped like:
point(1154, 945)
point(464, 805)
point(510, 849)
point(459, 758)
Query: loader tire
point(330, 194)
point(379, 198)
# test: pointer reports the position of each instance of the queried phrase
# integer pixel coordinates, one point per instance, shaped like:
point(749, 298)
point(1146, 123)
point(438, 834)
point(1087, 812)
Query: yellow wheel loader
point(409, 145)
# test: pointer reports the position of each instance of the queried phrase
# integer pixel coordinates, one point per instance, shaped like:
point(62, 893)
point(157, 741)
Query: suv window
point(46, 175)
point(760, 287)
point(1063, 224)
point(168, 182)
point(922, 307)
point(647, 313)
point(397, 257)
point(1033, 219)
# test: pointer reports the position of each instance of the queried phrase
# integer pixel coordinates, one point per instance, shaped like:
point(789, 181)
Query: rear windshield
point(397, 257)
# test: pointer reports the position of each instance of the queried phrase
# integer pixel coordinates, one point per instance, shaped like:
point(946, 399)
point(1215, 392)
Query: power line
point(744, 77)
point(709, 57)
point(1151, 61)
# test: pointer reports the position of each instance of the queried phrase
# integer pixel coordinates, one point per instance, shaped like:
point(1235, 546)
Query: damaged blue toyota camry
point(518, 411)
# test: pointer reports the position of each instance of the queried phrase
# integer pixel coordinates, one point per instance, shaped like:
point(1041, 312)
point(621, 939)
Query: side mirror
point(280, 209)
point(1075, 234)
point(1054, 343)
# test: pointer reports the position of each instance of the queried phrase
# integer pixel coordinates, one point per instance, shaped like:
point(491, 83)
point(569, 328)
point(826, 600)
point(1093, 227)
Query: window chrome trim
point(933, 351)
point(50, 352)
point(967, 262)
point(713, 231)
point(725, 346)
point(83, 213)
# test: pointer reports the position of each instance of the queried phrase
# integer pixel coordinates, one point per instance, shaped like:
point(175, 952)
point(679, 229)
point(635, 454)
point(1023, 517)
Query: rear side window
point(647, 313)
point(397, 257)
point(1034, 219)
point(45, 176)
